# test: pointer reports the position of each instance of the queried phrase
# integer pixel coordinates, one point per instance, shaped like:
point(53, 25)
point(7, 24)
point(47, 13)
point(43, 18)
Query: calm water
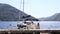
point(43, 24)
point(50, 24)
point(8, 24)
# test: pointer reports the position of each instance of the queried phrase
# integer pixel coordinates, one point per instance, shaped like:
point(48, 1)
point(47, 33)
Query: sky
point(36, 8)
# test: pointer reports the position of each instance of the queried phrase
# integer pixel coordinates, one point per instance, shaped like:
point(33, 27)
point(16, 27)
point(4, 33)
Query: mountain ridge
point(10, 13)
point(55, 17)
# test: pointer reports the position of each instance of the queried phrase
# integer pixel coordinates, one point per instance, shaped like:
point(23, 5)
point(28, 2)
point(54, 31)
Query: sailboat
point(27, 22)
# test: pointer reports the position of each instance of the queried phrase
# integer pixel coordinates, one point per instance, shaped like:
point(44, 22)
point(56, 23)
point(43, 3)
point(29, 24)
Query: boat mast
point(23, 9)
point(23, 5)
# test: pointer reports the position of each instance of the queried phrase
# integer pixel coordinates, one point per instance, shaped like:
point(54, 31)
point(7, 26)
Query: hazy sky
point(36, 8)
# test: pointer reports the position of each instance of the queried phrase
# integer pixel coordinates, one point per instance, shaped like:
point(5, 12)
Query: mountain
point(10, 13)
point(55, 17)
